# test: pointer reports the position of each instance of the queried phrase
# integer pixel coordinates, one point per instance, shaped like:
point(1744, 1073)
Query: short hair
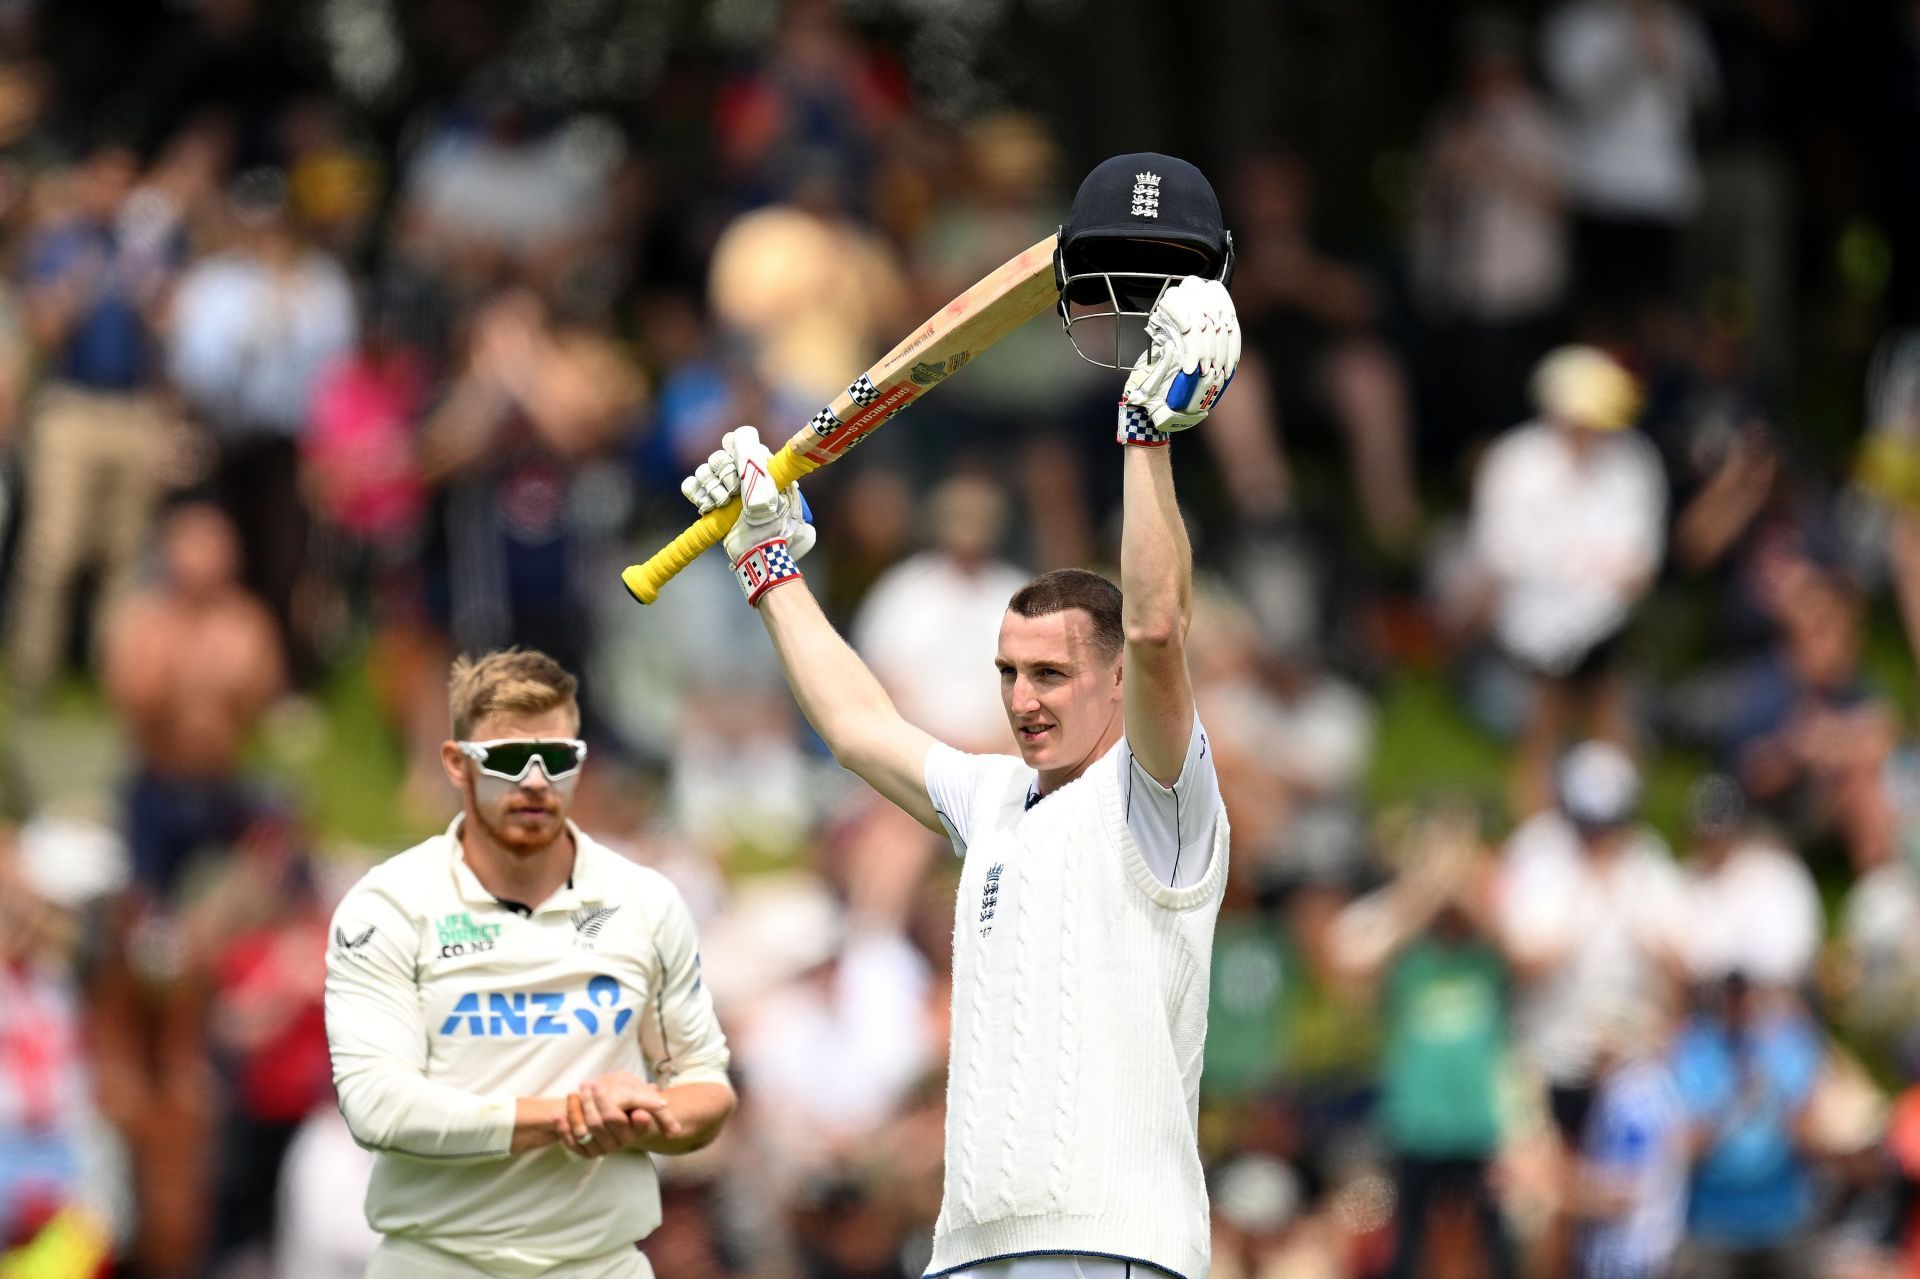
point(516, 680)
point(1066, 588)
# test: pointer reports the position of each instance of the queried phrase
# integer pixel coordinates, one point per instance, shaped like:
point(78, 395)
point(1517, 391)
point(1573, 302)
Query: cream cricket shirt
point(445, 1004)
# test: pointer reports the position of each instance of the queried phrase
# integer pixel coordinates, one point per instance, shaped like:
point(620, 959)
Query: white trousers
point(1061, 1266)
point(405, 1259)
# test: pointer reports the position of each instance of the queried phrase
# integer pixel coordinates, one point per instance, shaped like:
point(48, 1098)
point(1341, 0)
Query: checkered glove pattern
point(774, 529)
point(764, 567)
point(1136, 427)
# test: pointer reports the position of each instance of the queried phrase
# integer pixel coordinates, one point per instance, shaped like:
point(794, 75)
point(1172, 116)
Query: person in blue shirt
point(1746, 1069)
point(1630, 1189)
point(100, 441)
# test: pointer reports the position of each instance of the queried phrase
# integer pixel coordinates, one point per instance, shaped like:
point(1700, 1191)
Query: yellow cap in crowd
point(1584, 386)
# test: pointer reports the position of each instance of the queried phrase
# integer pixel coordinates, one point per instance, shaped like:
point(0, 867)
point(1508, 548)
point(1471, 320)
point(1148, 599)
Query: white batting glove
point(1180, 377)
point(766, 543)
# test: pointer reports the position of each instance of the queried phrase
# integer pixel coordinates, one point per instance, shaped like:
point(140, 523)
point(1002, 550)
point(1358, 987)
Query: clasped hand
point(617, 1112)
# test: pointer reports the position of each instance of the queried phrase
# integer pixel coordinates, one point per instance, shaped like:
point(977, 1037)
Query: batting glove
point(766, 543)
point(1195, 348)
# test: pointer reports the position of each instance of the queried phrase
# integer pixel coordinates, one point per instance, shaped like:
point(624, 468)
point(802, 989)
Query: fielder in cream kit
point(1096, 858)
point(516, 1014)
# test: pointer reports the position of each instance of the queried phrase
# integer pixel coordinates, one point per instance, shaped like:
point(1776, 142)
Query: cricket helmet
point(1139, 222)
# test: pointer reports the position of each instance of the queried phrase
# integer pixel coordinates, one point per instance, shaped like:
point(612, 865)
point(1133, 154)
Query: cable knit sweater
point(1079, 1016)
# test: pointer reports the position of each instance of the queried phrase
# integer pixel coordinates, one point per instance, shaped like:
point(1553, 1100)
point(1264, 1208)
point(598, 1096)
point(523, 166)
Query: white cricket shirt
point(445, 1004)
point(1080, 991)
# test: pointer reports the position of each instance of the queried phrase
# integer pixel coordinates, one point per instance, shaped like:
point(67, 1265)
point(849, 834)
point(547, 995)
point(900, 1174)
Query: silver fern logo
point(588, 921)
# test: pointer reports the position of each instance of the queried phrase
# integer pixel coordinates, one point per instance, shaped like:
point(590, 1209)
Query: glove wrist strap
point(764, 567)
point(1136, 428)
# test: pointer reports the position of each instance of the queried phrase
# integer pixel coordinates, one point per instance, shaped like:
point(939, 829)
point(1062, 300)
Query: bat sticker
point(927, 373)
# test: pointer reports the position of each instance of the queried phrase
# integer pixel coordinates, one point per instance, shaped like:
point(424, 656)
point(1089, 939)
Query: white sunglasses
point(512, 758)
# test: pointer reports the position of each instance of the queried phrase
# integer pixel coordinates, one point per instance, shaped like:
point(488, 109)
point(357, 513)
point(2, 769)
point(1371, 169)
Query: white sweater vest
point(1079, 1016)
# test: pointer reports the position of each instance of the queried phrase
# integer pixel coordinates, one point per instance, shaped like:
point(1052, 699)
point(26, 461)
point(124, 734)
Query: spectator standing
point(45, 1081)
point(1313, 322)
point(925, 622)
point(254, 327)
point(1489, 238)
point(810, 290)
point(1751, 905)
point(1803, 723)
point(1008, 200)
point(499, 188)
point(259, 945)
point(1879, 939)
point(1591, 909)
point(100, 440)
point(1746, 1067)
point(1630, 76)
point(1888, 469)
point(1569, 523)
point(1630, 1189)
point(1444, 993)
point(191, 666)
point(535, 403)
point(835, 1046)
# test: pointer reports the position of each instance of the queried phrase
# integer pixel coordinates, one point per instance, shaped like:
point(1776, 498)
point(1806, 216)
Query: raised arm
point(840, 697)
point(1196, 348)
point(1156, 582)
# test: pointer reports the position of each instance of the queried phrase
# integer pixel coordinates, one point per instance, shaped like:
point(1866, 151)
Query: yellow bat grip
point(643, 581)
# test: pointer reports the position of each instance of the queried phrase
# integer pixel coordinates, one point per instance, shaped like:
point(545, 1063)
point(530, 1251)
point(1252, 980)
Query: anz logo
point(522, 1014)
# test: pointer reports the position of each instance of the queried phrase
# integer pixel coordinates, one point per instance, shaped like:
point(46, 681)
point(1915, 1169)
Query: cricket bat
point(993, 307)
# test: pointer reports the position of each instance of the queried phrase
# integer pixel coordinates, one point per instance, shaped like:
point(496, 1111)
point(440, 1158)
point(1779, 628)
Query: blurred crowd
point(289, 406)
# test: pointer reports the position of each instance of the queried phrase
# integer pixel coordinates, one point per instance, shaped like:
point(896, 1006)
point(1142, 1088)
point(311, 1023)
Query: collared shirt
point(445, 1004)
point(1171, 825)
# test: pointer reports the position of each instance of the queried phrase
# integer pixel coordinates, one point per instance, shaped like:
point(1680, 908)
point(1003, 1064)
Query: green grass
point(1427, 745)
point(345, 764)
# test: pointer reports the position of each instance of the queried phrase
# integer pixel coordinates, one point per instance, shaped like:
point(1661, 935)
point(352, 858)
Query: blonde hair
point(515, 680)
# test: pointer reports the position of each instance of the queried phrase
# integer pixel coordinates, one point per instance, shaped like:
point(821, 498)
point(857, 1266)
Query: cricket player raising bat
point(1096, 858)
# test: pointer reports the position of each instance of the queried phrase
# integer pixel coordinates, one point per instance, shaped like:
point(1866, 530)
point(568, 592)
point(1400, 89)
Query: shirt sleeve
point(954, 782)
point(1173, 825)
point(679, 1033)
point(378, 1038)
